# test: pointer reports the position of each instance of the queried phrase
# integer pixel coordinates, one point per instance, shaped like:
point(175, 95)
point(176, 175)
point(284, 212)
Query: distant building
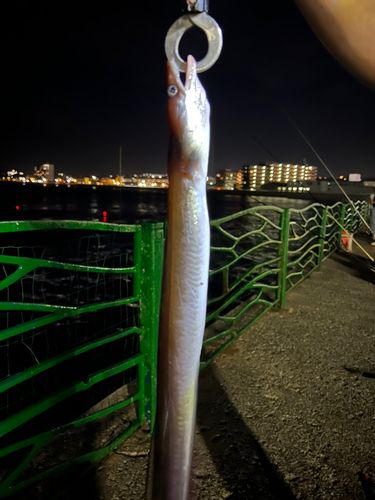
point(148, 180)
point(355, 178)
point(254, 176)
point(45, 172)
point(245, 177)
point(211, 181)
point(329, 187)
point(226, 179)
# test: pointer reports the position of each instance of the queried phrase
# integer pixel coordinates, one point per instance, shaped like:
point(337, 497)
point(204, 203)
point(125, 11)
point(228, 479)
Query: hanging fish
point(184, 292)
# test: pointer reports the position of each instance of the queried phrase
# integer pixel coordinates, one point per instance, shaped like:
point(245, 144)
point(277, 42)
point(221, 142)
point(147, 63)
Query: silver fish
point(185, 280)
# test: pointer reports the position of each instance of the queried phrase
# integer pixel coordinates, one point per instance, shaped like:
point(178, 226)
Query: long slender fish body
point(184, 295)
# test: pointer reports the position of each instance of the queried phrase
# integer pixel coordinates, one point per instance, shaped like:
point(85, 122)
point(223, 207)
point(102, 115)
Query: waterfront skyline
point(74, 96)
point(268, 176)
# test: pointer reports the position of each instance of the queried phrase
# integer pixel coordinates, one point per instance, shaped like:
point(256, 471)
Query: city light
point(251, 177)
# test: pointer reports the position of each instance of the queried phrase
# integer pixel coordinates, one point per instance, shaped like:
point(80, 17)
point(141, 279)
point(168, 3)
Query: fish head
point(189, 117)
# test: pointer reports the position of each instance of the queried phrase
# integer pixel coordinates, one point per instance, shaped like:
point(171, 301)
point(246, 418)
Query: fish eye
point(172, 90)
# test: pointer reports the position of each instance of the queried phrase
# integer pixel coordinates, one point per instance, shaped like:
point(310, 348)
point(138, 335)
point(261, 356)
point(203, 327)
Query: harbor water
point(115, 204)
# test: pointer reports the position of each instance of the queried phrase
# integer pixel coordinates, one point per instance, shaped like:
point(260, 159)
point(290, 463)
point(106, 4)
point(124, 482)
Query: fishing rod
point(278, 161)
point(325, 166)
point(269, 152)
point(319, 203)
point(347, 197)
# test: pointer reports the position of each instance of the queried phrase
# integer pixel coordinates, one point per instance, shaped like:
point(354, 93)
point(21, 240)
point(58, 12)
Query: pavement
point(362, 256)
point(286, 412)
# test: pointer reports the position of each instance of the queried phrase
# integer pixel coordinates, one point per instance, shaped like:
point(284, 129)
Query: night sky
point(80, 79)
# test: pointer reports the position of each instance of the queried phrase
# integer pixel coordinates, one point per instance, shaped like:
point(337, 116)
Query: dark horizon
point(79, 83)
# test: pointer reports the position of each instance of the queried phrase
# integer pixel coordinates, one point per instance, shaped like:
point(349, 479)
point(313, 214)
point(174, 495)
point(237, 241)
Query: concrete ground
point(364, 241)
point(362, 257)
point(287, 412)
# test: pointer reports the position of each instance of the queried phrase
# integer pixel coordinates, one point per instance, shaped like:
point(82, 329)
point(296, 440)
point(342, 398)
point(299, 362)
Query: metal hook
point(177, 31)
point(197, 5)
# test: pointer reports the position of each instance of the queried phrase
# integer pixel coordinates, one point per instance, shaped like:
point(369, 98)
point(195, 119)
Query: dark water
point(114, 204)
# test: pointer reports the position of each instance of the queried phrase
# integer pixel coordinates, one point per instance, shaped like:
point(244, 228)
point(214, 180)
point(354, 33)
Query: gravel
point(286, 412)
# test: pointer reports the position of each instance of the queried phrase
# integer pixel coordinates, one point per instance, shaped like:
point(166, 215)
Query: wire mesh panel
point(72, 369)
point(333, 231)
point(79, 308)
point(305, 239)
point(258, 255)
point(362, 214)
point(244, 268)
point(348, 218)
point(352, 221)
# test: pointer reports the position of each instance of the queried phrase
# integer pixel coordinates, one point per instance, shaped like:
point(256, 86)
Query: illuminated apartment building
point(254, 176)
point(226, 179)
point(45, 172)
point(153, 180)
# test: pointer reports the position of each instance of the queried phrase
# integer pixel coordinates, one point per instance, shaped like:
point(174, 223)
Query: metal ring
point(177, 31)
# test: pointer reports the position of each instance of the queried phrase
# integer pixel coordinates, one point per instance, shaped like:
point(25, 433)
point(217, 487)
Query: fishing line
point(330, 173)
point(318, 202)
point(343, 229)
point(278, 161)
point(325, 166)
point(273, 156)
point(265, 149)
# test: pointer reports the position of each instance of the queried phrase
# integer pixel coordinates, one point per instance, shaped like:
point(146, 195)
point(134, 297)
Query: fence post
point(283, 254)
point(322, 237)
point(368, 212)
point(151, 266)
point(364, 212)
point(352, 215)
point(342, 224)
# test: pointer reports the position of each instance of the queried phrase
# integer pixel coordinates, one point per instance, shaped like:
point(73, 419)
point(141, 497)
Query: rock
point(201, 473)
point(290, 477)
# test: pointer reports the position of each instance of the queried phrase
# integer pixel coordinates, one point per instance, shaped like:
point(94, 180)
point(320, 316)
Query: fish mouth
point(191, 72)
point(173, 74)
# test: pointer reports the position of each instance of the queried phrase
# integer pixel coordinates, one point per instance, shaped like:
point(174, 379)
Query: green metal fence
point(259, 255)
point(79, 308)
point(78, 321)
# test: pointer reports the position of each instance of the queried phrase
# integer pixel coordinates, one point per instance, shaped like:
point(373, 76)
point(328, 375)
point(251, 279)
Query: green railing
point(259, 255)
point(78, 333)
point(79, 313)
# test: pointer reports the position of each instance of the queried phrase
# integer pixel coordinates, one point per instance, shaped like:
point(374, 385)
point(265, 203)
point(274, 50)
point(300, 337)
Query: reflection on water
point(93, 206)
point(116, 205)
point(147, 209)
